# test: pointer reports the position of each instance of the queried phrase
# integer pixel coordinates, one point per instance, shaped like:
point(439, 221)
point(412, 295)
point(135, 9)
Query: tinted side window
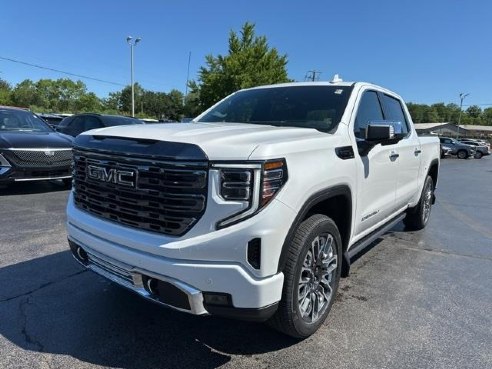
point(369, 110)
point(65, 122)
point(394, 112)
point(91, 123)
point(75, 126)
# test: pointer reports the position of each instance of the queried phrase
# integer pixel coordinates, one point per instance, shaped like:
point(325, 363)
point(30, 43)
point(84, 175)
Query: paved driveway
point(414, 300)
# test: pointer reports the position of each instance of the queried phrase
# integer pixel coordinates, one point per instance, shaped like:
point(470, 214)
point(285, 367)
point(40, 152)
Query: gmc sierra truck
point(255, 208)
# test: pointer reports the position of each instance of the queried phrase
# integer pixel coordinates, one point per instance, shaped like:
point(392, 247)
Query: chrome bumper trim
point(131, 278)
point(40, 179)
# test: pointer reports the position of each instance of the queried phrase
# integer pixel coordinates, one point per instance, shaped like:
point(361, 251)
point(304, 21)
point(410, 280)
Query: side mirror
point(379, 132)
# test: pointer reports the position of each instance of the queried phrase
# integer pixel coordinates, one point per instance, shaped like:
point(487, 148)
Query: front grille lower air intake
point(163, 196)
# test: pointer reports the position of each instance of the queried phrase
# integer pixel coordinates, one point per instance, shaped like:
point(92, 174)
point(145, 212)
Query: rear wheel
point(462, 154)
point(311, 277)
point(478, 155)
point(418, 216)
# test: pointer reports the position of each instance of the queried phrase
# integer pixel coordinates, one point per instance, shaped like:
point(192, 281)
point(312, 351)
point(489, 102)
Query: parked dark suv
point(462, 151)
point(31, 150)
point(76, 124)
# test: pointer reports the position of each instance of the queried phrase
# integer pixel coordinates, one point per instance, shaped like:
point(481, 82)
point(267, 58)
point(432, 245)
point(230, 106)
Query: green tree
point(175, 105)
point(112, 102)
point(416, 112)
point(126, 99)
point(431, 115)
point(25, 94)
point(191, 108)
point(487, 116)
point(87, 102)
point(250, 62)
point(5, 92)
point(474, 111)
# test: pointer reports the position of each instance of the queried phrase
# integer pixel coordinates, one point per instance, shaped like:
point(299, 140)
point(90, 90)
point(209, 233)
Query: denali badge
point(121, 177)
point(49, 153)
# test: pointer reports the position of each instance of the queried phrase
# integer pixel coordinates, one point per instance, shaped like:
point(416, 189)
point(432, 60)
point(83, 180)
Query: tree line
point(438, 113)
point(66, 96)
point(250, 62)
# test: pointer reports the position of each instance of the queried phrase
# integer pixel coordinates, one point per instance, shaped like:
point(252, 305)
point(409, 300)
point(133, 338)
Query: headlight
point(253, 184)
point(4, 165)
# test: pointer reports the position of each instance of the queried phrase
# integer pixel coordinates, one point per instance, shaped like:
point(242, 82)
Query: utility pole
point(462, 97)
point(312, 75)
point(132, 42)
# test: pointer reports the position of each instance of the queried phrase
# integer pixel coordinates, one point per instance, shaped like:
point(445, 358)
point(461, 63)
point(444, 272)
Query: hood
point(34, 140)
point(231, 141)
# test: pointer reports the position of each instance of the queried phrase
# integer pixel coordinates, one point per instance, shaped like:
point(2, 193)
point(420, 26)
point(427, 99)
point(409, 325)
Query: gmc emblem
point(125, 178)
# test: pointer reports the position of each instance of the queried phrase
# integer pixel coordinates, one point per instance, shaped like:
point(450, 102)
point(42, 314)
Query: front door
point(376, 171)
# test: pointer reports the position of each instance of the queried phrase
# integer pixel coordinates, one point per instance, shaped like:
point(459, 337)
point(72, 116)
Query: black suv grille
point(40, 158)
point(167, 197)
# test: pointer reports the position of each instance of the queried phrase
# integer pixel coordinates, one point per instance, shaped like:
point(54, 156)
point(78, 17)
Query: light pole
point(462, 97)
point(132, 42)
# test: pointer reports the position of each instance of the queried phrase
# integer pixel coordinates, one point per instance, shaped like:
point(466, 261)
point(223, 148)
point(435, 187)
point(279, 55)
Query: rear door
point(408, 150)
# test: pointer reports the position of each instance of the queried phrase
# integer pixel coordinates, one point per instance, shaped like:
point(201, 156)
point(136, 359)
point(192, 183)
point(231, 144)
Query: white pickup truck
point(255, 208)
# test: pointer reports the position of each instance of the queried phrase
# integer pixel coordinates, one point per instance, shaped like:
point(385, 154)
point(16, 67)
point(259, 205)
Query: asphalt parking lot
point(413, 300)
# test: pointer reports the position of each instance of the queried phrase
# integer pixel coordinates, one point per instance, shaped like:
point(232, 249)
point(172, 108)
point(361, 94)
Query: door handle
point(417, 151)
point(394, 155)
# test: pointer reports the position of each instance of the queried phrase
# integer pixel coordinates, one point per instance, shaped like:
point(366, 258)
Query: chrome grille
point(111, 268)
point(40, 158)
point(168, 197)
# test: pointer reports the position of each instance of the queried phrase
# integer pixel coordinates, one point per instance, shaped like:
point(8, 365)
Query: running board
point(371, 237)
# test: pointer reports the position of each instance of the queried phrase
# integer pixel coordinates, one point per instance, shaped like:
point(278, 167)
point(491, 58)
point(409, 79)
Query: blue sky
point(426, 50)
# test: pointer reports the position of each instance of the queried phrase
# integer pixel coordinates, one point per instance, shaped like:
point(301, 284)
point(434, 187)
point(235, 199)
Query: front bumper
point(15, 174)
point(12, 171)
point(215, 262)
point(175, 294)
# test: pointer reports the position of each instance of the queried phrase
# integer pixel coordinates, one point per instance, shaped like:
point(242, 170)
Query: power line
point(61, 71)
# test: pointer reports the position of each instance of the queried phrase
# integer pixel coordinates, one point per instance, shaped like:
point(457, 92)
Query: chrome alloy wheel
point(315, 289)
point(427, 203)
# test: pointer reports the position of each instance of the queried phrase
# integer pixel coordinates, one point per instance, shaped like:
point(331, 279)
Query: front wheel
point(462, 154)
point(311, 277)
point(418, 216)
point(478, 155)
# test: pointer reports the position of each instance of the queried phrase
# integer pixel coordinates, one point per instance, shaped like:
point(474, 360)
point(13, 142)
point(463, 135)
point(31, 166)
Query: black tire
point(289, 318)
point(462, 154)
point(478, 155)
point(418, 216)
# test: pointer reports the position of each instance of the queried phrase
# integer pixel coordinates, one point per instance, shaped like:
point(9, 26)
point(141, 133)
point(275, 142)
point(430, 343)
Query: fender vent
point(254, 253)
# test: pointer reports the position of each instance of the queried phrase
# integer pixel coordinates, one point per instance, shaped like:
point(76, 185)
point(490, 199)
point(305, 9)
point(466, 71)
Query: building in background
point(453, 130)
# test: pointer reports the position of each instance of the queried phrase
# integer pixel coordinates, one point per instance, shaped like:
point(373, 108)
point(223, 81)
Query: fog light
point(78, 252)
point(222, 299)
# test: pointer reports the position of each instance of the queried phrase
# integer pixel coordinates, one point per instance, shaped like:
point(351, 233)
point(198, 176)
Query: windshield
point(318, 107)
point(14, 120)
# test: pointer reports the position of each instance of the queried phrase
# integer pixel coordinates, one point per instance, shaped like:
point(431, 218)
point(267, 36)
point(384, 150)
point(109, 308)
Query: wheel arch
point(334, 202)
point(434, 171)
